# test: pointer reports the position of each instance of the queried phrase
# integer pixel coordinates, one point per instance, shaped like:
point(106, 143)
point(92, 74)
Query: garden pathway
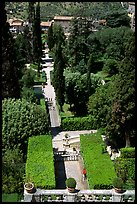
point(64, 169)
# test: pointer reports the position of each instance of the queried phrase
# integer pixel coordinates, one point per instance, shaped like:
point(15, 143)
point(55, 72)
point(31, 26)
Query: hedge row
point(100, 169)
point(125, 168)
point(78, 123)
point(40, 164)
point(128, 152)
point(125, 165)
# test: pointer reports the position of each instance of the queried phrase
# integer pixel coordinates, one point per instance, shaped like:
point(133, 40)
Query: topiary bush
point(71, 183)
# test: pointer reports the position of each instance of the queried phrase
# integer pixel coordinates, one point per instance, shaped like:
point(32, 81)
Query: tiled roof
point(48, 23)
point(15, 21)
point(68, 18)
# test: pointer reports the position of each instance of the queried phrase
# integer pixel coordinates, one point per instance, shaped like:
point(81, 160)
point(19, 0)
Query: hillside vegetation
point(96, 10)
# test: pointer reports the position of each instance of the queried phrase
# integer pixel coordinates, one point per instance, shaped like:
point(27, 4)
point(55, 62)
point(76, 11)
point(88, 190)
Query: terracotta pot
point(29, 187)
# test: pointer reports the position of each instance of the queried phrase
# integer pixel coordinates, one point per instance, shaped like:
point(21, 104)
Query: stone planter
point(118, 190)
point(71, 190)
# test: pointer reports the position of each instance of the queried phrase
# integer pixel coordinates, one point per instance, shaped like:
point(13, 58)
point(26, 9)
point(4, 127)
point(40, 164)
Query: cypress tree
point(50, 39)
point(37, 42)
point(10, 78)
point(58, 77)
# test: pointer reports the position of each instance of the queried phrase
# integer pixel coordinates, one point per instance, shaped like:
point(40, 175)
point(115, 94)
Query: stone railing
point(62, 195)
point(65, 156)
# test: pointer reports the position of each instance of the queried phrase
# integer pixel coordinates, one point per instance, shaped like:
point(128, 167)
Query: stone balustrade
point(62, 195)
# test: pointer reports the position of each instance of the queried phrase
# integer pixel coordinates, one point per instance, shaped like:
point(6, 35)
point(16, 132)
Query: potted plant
point(71, 184)
point(29, 185)
point(118, 185)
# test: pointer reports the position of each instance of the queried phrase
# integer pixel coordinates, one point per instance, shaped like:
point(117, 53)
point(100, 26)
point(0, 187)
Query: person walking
point(84, 173)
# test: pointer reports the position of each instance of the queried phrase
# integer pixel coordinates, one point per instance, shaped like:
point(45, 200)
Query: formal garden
point(94, 82)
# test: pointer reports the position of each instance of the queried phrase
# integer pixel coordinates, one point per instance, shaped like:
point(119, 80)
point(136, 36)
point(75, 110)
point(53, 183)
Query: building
point(131, 14)
point(16, 25)
point(45, 26)
point(64, 21)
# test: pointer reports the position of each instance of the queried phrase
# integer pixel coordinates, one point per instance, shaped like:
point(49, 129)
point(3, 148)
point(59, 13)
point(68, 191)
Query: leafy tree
point(10, 74)
point(28, 78)
point(79, 32)
point(113, 105)
point(21, 120)
point(117, 18)
point(122, 122)
point(110, 67)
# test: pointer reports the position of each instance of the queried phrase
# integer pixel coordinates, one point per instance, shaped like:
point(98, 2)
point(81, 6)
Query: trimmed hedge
point(78, 123)
point(128, 152)
point(125, 165)
point(40, 164)
point(125, 168)
point(100, 169)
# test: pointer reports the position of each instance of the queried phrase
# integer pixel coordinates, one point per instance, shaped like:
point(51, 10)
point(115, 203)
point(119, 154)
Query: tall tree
point(58, 77)
point(50, 38)
point(37, 41)
point(10, 79)
point(122, 123)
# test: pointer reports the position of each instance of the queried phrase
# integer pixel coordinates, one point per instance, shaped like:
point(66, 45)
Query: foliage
point(21, 120)
point(125, 168)
point(58, 77)
point(13, 197)
point(128, 152)
point(13, 169)
point(39, 164)
point(78, 123)
point(70, 182)
point(10, 72)
point(100, 169)
point(50, 37)
point(117, 19)
point(37, 41)
point(29, 95)
point(110, 67)
point(122, 121)
point(118, 183)
point(28, 78)
point(125, 165)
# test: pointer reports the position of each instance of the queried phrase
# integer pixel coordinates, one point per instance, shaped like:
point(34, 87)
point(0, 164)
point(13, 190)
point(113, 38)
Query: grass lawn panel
point(100, 169)
point(40, 164)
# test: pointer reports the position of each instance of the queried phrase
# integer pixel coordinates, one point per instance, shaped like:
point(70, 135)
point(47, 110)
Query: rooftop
point(67, 18)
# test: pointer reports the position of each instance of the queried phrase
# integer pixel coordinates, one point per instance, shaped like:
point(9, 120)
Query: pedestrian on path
point(84, 173)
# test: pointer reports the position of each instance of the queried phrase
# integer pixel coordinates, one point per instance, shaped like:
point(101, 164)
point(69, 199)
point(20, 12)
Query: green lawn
point(13, 197)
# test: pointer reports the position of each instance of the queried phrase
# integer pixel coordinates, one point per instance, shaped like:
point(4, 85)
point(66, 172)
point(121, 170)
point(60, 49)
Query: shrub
point(118, 183)
point(100, 169)
point(71, 183)
point(128, 152)
point(125, 168)
point(77, 123)
point(39, 164)
point(21, 120)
